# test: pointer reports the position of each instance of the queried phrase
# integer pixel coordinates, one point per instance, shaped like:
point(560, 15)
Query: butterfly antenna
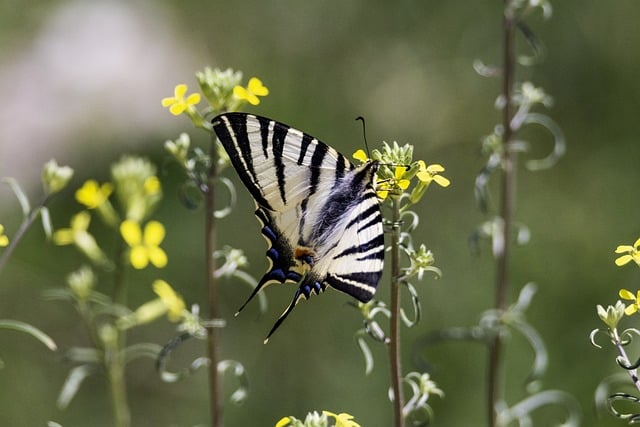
point(364, 134)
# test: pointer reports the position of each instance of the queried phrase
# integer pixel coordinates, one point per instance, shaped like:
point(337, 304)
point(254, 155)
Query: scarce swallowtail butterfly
point(319, 213)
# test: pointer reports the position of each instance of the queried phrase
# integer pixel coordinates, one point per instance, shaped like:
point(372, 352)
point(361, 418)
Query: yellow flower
point(635, 305)
point(254, 89)
point(395, 185)
point(168, 302)
point(78, 235)
point(283, 422)
point(92, 195)
point(145, 247)
point(631, 253)
point(76, 232)
point(177, 103)
point(386, 185)
point(361, 155)
point(172, 301)
point(152, 185)
point(382, 190)
point(399, 177)
point(430, 173)
point(4, 240)
point(342, 420)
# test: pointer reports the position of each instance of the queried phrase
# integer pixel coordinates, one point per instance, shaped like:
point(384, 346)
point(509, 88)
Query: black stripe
point(237, 126)
point(365, 174)
point(339, 282)
point(303, 219)
point(371, 211)
point(375, 219)
point(264, 135)
point(319, 153)
point(373, 255)
point(279, 134)
point(304, 145)
point(377, 241)
point(340, 166)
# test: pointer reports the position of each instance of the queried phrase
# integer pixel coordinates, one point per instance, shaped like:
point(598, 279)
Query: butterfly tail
point(298, 295)
point(308, 287)
point(271, 277)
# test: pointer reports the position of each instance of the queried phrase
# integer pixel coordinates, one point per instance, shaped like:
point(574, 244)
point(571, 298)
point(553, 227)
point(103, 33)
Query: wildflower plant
point(316, 419)
point(124, 204)
point(54, 179)
point(623, 404)
point(401, 182)
point(223, 91)
point(519, 104)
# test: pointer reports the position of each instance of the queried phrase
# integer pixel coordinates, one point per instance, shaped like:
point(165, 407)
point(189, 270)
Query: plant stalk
point(118, 389)
point(22, 229)
point(215, 396)
point(394, 329)
point(114, 351)
point(496, 365)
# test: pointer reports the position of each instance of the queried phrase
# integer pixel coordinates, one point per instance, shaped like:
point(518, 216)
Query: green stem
point(496, 364)
point(22, 229)
point(119, 286)
point(118, 389)
point(633, 373)
point(215, 404)
point(394, 343)
point(113, 351)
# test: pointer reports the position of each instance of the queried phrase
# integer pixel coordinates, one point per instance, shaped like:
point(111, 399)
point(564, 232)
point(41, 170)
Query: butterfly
point(319, 213)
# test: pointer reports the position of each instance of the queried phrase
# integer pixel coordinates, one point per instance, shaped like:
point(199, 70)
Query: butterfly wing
point(351, 253)
point(279, 165)
point(319, 213)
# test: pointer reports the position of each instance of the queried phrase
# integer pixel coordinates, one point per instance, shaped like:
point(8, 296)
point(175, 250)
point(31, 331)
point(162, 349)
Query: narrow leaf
point(72, 384)
point(83, 355)
point(366, 353)
point(45, 215)
point(139, 350)
point(22, 198)
point(16, 325)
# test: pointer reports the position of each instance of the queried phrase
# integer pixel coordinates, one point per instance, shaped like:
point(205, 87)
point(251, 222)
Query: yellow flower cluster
point(221, 92)
point(399, 180)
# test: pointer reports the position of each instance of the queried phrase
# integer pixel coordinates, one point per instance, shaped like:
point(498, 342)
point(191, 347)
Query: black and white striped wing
point(319, 213)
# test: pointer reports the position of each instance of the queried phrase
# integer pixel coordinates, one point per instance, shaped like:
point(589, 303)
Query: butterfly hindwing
point(319, 213)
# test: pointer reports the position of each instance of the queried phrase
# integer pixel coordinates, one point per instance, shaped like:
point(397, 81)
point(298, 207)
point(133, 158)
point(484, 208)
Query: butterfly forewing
point(319, 213)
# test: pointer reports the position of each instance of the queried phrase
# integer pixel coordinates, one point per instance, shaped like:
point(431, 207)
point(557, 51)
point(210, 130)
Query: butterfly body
point(319, 213)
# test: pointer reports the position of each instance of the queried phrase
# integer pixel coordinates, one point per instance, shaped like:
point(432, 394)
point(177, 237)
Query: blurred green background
point(82, 82)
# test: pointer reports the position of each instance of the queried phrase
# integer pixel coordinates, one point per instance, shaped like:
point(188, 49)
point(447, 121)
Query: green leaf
point(366, 352)
point(16, 325)
point(73, 382)
point(235, 367)
point(22, 198)
point(163, 359)
point(559, 142)
point(84, 355)
point(415, 302)
point(46, 222)
point(139, 350)
point(226, 211)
